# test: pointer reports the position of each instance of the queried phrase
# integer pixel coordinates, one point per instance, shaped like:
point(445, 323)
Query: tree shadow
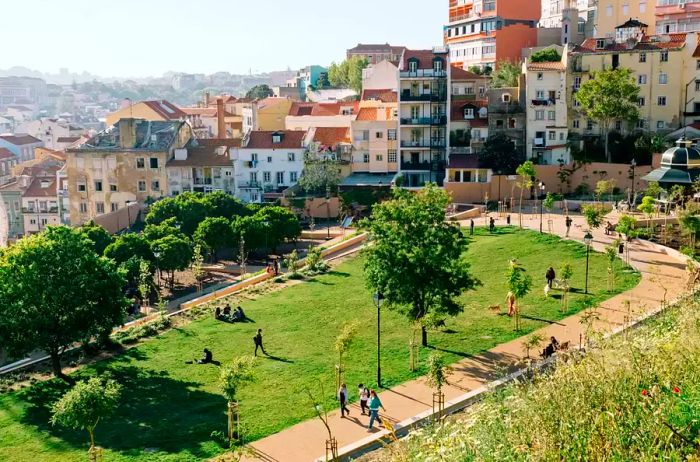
point(444, 350)
point(339, 273)
point(546, 321)
point(155, 411)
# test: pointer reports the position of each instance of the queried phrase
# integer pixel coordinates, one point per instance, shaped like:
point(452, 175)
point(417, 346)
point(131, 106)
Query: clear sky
point(149, 37)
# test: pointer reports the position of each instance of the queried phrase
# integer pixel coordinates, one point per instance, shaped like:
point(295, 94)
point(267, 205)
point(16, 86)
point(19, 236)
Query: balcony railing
point(428, 73)
point(543, 102)
point(46, 210)
point(202, 181)
point(428, 97)
point(249, 185)
point(438, 120)
point(426, 143)
point(425, 165)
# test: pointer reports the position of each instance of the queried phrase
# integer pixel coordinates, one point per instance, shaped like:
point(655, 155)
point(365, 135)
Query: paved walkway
point(305, 442)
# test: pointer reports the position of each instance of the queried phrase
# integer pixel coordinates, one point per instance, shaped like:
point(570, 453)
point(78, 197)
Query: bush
point(315, 264)
point(149, 329)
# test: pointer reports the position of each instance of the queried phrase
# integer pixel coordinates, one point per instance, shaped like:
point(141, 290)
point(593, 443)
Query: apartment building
point(663, 66)
point(303, 116)
point(375, 138)
point(376, 53)
point(123, 164)
point(507, 114)
point(575, 18)
point(482, 33)
point(268, 114)
point(468, 123)
point(612, 13)
point(423, 112)
point(268, 162)
point(40, 205)
point(7, 161)
point(674, 16)
point(547, 112)
point(55, 133)
point(21, 145)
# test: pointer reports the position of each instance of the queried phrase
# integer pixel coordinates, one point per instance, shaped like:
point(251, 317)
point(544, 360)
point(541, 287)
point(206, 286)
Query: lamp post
point(588, 238)
point(542, 188)
point(379, 299)
point(633, 165)
point(328, 212)
point(266, 224)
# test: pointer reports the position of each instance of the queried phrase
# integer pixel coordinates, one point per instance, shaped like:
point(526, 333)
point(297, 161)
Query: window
point(82, 187)
point(379, 135)
point(551, 115)
point(660, 124)
point(254, 157)
point(276, 138)
point(267, 177)
point(697, 64)
point(100, 207)
point(540, 94)
point(114, 206)
point(561, 136)
point(642, 79)
point(392, 156)
point(540, 75)
point(391, 134)
point(661, 101)
point(642, 6)
point(379, 157)
point(589, 124)
point(552, 136)
point(697, 85)
point(577, 83)
point(576, 123)
point(154, 162)
point(641, 101)
point(505, 98)
point(140, 162)
point(98, 186)
point(365, 158)
point(664, 56)
point(155, 185)
point(600, 44)
point(642, 57)
point(280, 177)
point(539, 115)
point(253, 177)
point(112, 187)
point(625, 10)
point(141, 186)
point(269, 159)
point(468, 113)
point(83, 207)
point(663, 78)
point(290, 156)
point(293, 177)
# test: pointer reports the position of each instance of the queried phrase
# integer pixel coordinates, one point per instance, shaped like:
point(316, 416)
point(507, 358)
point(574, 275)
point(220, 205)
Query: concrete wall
point(316, 207)
point(119, 220)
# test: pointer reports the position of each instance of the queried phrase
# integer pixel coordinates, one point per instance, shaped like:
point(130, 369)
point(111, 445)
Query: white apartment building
point(40, 205)
point(205, 169)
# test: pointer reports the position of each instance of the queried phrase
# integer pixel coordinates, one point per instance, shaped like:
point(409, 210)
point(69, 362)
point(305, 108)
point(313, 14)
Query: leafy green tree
point(594, 215)
point(689, 221)
point(507, 74)
point(260, 92)
point(499, 154)
point(56, 291)
point(526, 172)
point(531, 342)
point(654, 189)
point(320, 174)
point(548, 55)
point(438, 371)
point(338, 74)
point(220, 204)
point(99, 236)
point(519, 285)
point(282, 225)
point(648, 206)
point(132, 270)
point(83, 406)
point(291, 262)
point(626, 226)
point(231, 379)
point(129, 245)
point(197, 265)
point(215, 233)
point(173, 254)
point(252, 230)
point(193, 209)
point(608, 96)
point(348, 74)
point(162, 210)
point(416, 258)
point(342, 344)
point(169, 227)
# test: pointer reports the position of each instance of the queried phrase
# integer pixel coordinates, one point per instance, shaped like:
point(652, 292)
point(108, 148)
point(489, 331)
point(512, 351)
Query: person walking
point(374, 405)
point(568, 222)
point(343, 399)
point(258, 340)
point(510, 300)
point(492, 225)
point(550, 275)
point(363, 393)
point(471, 227)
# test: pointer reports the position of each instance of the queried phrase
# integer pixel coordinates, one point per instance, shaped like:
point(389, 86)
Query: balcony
point(543, 102)
point(425, 143)
point(249, 185)
point(202, 181)
point(424, 73)
point(39, 211)
point(538, 142)
point(427, 97)
point(437, 120)
point(427, 166)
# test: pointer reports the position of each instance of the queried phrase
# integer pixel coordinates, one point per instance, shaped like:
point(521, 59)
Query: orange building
point(484, 32)
point(677, 16)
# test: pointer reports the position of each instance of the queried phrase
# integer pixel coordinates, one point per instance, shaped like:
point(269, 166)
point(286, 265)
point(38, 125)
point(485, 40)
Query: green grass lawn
point(170, 408)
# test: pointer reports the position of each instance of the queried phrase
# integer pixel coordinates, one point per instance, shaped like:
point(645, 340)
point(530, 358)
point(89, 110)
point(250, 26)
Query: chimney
point(206, 99)
point(127, 133)
point(220, 118)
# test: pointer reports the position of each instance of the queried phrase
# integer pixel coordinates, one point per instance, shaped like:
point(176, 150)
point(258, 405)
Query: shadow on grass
point(279, 359)
point(339, 273)
point(155, 411)
point(546, 321)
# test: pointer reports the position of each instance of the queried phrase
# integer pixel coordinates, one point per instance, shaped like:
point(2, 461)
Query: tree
point(193, 209)
point(500, 155)
point(173, 254)
point(531, 342)
point(519, 285)
point(437, 372)
point(648, 206)
point(547, 55)
point(259, 92)
point(197, 264)
point(99, 236)
point(593, 214)
point(415, 258)
point(608, 96)
point(127, 246)
point(338, 74)
point(282, 225)
point(507, 74)
point(626, 226)
point(220, 204)
point(654, 189)
point(690, 224)
point(232, 377)
point(320, 173)
point(83, 406)
point(567, 271)
point(291, 262)
point(526, 172)
point(348, 74)
point(169, 227)
point(215, 233)
point(604, 187)
point(611, 257)
point(56, 291)
point(342, 344)
point(162, 210)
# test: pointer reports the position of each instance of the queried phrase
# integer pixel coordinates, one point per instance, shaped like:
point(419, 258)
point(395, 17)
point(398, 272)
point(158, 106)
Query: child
point(363, 393)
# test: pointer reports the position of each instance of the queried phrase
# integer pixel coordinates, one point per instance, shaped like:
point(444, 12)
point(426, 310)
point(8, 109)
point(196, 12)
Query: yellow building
point(268, 114)
point(662, 66)
point(374, 137)
point(612, 13)
point(161, 110)
point(122, 165)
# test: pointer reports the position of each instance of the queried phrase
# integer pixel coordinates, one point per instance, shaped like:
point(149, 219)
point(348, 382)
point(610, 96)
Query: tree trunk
point(424, 336)
point(607, 148)
point(520, 211)
point(57, 369)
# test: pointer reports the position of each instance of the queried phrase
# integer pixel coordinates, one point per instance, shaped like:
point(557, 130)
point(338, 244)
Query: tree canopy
point(259, 92)
point(99, 236)
point(416, 258)
point(129, 245)
point(507, 74)
point(55, 291)
point(608, 96)
point(548, 55)
point(499, 154)
point(172, 253)
point(319, 173)
point(215, 233)
point(348, 74)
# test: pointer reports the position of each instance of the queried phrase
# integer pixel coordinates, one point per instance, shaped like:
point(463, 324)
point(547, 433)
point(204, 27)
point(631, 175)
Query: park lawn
point(170, 408)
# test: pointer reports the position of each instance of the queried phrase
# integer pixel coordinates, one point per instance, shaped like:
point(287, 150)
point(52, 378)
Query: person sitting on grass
point(238, 315)
point(207, 358)
point(217, 313)
point(551, 348)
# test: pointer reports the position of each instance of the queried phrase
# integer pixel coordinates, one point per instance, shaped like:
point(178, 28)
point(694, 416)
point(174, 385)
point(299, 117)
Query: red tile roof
point(647, 43)
point(200, 111)
point(363, 48)
point(291, 139)
point(457, 73)
point(203, 157)
point(546, 66)
point(386, 96)
point(19, 140)
point(165, 109)
point(321, 109)
point(424, 57)
point(331, 136)
point(457, 109)
point(6, 154)
point(41, 187)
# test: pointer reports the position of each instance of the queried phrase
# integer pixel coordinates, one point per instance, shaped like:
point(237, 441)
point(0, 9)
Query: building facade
point(156, 110)
point(376, 53)
point(375, 138)
point(303, 116)
point(204, 169)
point(40, 205)
point(674, 16)
point(21, 145)
point(575, 19)
point(612, 13)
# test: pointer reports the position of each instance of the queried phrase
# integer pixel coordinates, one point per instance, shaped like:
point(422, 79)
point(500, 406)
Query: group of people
point(369, 403)
point(551, 348)
point(228, 316)
point(273, 268)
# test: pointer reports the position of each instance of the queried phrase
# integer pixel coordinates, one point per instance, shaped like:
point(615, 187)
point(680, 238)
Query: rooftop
point(19, 140)
point(375, 113)
point(322, 109)
point(546, 66)
point(331, 136)
point(646, 43)
point(165, 109)
point(376, 48)
point(203, 156)
point(383, 95)
point(5, 154)
point(457, 73)
point(424, 57)
point(41, 187)
point(150, 136)
point(288, 139)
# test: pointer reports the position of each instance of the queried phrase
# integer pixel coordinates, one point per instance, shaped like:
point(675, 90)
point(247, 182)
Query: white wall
point(272, 161)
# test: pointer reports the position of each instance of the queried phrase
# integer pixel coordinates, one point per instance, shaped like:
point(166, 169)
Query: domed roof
point(683, 156)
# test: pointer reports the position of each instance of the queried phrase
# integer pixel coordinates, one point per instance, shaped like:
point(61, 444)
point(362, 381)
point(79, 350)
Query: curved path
point(661, 270)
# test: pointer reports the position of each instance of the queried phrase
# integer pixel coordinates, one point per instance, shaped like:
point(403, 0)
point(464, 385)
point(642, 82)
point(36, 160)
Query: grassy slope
point(173, 407)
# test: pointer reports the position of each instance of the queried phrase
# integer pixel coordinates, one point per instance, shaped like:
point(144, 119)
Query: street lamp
point(633, 164)
point(266, 224)
point(379, 299)
point(588, 238)
point(328, 212)
point(542, 188)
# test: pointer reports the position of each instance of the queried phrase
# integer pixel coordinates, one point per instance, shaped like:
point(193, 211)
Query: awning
point(668, 175)
point(376, 180)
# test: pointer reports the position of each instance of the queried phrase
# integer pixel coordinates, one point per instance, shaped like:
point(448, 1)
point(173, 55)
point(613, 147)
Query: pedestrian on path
point(492, 225)
point(343, 398)
point(258, 340)
point(550, 275)
point(568, 222)
point(363, 393)
point(374, 405)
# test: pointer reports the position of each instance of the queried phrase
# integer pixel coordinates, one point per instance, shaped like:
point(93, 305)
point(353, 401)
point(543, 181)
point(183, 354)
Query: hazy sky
point(148, 37)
